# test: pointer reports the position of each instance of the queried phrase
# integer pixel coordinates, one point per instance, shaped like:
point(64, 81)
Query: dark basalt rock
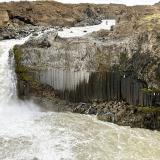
point(122, 114)
point(101, 85)
point(89, 12)
point(44, 44)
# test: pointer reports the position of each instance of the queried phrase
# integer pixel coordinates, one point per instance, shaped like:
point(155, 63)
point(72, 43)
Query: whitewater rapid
point(26, 133)
point(81, 31)
point(7, 73)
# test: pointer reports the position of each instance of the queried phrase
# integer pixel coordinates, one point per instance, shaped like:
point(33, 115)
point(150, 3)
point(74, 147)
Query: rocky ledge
point(122, 113)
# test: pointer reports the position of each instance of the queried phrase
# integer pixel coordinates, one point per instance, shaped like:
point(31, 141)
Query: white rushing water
point(7, 75)
point(81, 31)
point(26, 133)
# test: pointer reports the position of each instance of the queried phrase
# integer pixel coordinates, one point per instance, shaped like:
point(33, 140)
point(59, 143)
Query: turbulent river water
point(26, 133)
point(81, 31)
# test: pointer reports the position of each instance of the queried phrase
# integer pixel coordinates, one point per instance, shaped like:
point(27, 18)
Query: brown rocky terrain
point(49, 13)
point(54, 13)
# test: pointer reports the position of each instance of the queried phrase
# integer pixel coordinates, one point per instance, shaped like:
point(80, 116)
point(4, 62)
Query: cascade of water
point(7, 74)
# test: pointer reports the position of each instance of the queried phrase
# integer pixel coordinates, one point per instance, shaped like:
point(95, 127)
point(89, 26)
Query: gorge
point(97, 61)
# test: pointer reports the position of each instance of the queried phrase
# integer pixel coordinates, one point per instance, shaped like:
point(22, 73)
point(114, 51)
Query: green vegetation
point(20, 69)
point(152, 17)
point(147, 90)
point(148, 109)
point(150, 21)
point(150, 90)
point(145, 109)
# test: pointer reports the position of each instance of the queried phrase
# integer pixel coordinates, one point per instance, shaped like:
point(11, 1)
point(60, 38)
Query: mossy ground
point(21, 70)
point(150, 21)
point(149, 109)
point(145, 109)
point(150, 90)
point(151, 17)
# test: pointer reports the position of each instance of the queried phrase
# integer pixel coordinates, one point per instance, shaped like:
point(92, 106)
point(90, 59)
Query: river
point(26, 133)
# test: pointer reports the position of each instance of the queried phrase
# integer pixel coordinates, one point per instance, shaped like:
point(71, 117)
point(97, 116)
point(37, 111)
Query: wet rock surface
point(14, 31)
point(122, 114)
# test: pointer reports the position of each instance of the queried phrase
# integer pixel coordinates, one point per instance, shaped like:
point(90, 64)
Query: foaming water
point(67, 136)
point(7, 74)
point(26, 133)
point(81, 31)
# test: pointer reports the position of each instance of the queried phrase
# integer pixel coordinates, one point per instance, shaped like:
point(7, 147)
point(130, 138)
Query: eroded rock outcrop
point(4, 18)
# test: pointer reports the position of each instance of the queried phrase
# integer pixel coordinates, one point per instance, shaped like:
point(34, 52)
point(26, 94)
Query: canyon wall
point(132, 62)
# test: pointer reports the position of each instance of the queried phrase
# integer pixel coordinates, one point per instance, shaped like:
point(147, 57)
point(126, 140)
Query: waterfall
point(7, 73)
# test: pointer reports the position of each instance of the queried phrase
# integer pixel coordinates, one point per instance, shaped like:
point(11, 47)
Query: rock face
point(4, 18)
point(128, 68)
point(100, 51)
